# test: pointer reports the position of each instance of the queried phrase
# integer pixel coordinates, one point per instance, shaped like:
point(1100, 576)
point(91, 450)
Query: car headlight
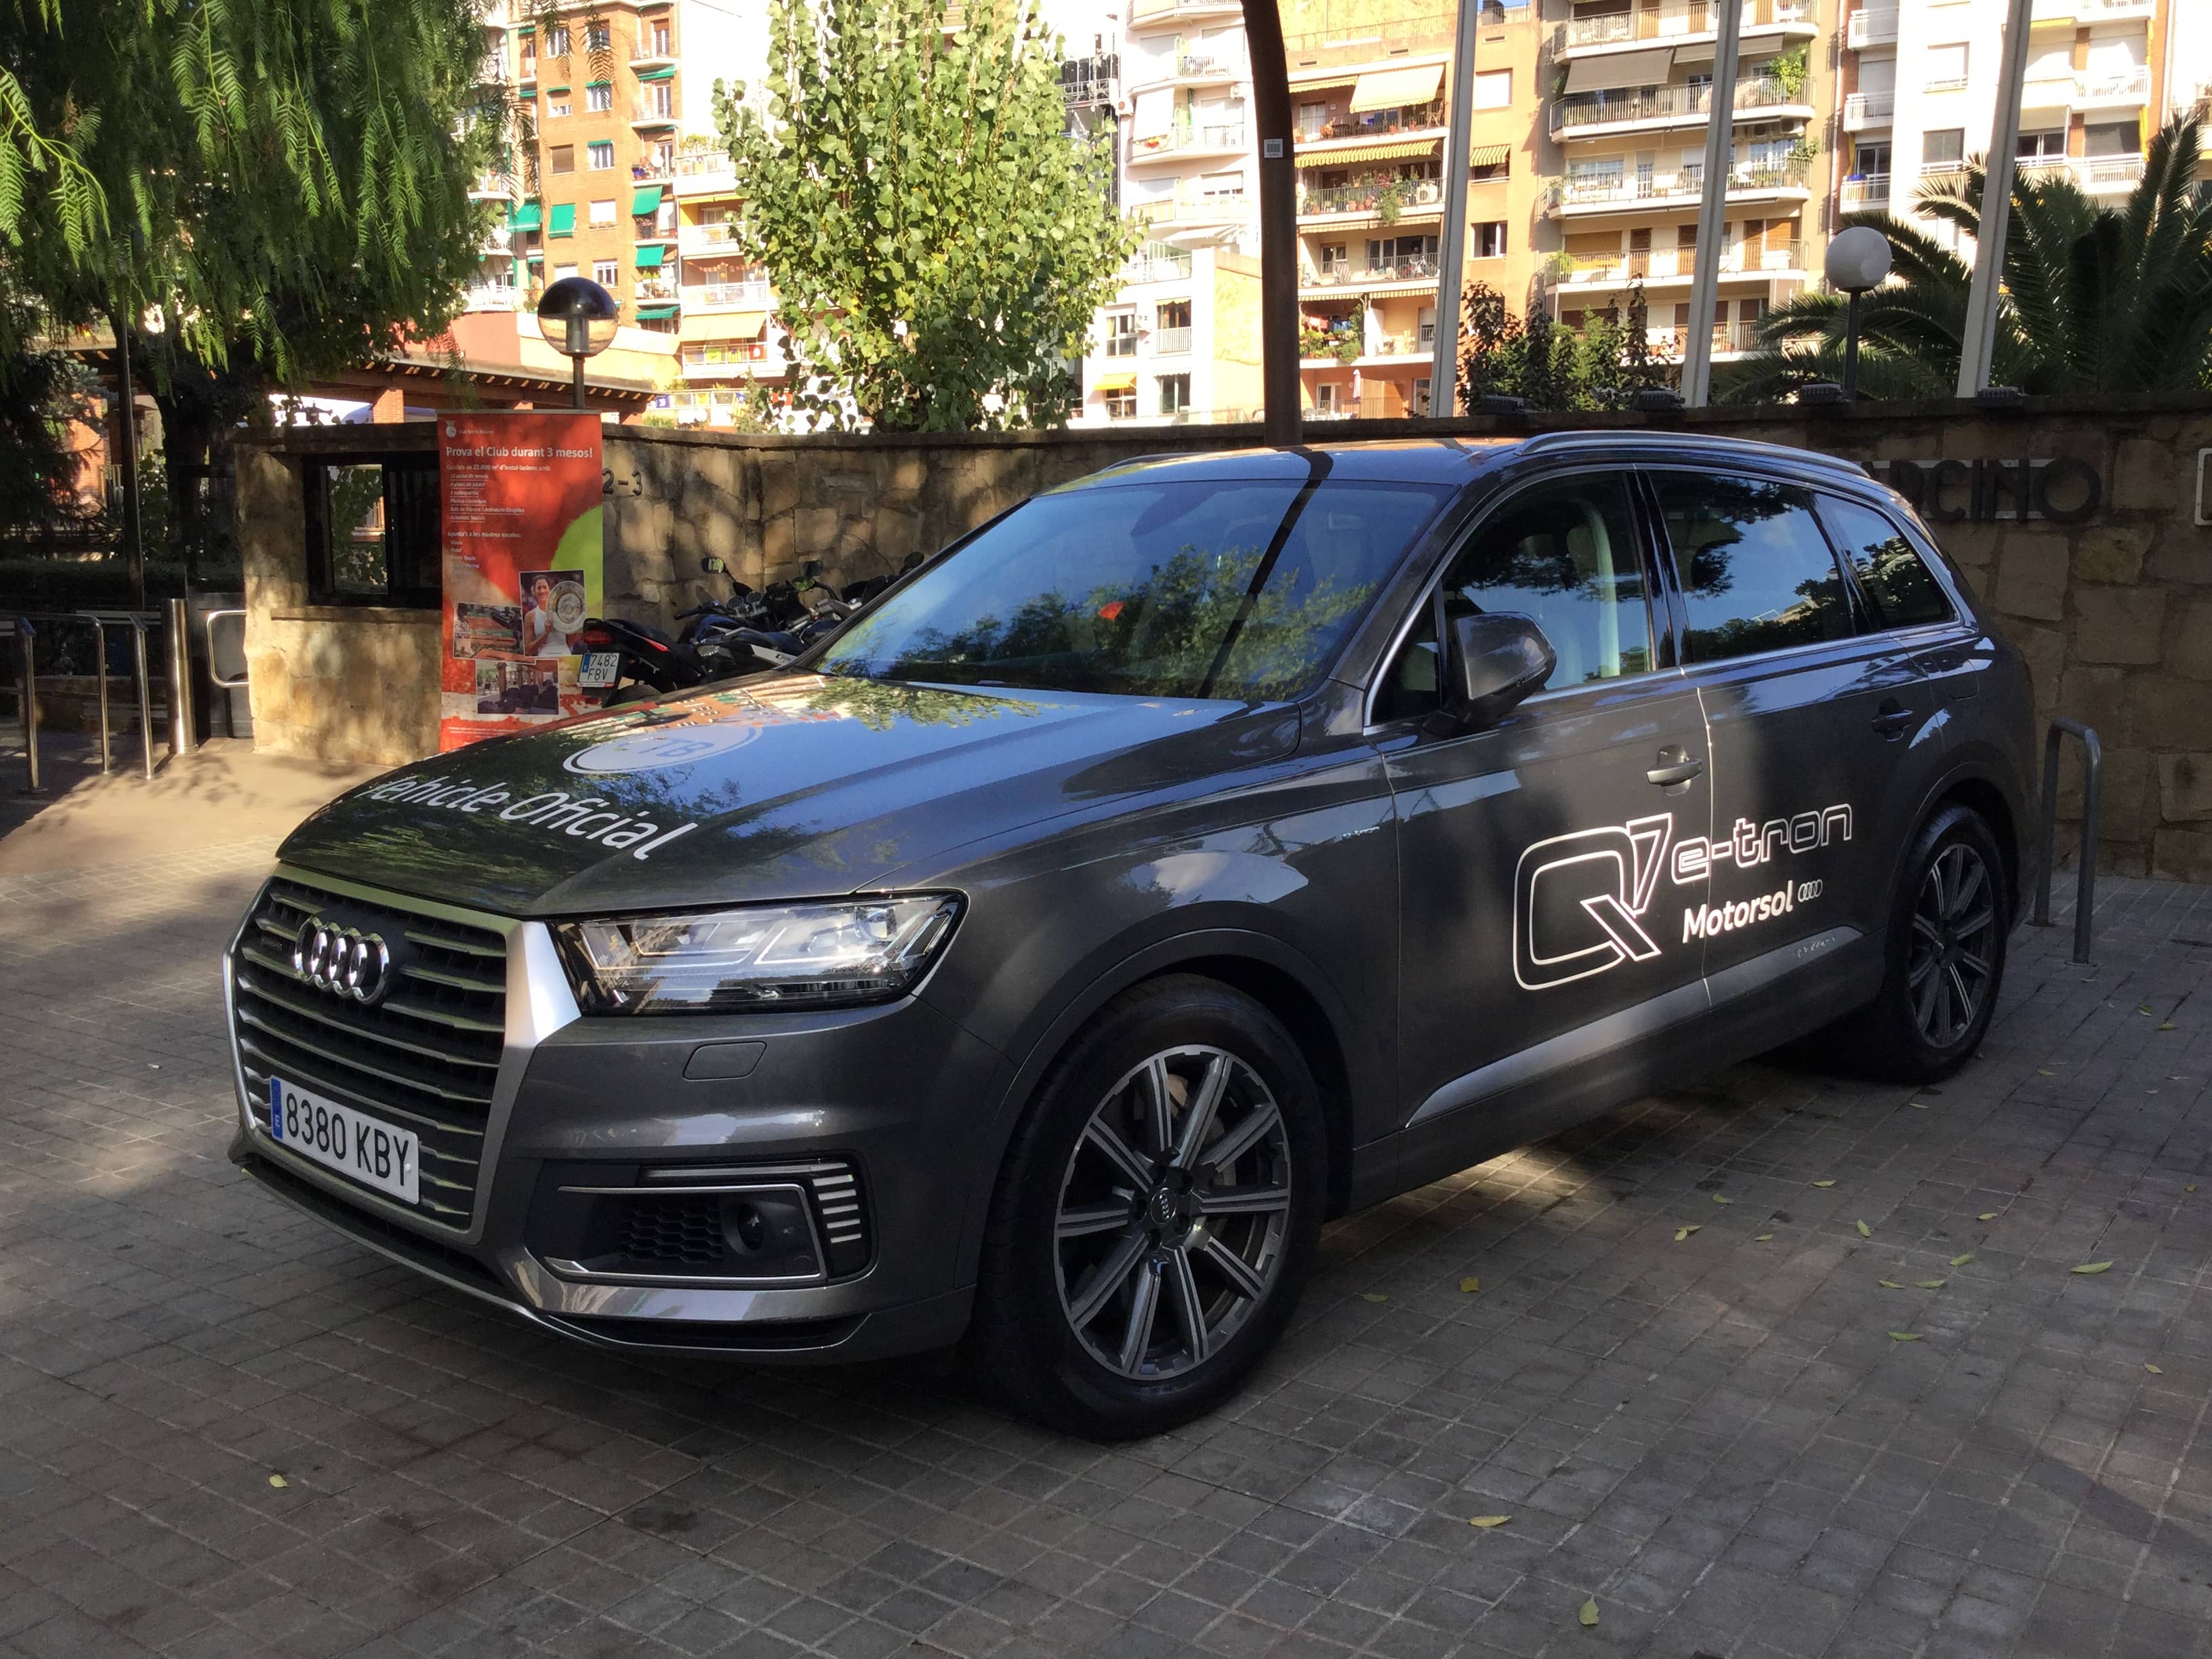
point(786, 955)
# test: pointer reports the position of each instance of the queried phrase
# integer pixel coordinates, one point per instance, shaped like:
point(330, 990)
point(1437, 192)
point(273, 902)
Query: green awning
point(564, 220)
point(529, 216)
point(655, 313)
point(648, 259)
point(550, 91)
point(599, 84)
point(535, 256)
point(646, 198)
point(657, 75)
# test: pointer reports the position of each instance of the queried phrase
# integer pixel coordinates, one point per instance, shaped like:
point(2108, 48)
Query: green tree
point(262, 190)
point(1552, 368)
point(2095, 299)
point(937, 240)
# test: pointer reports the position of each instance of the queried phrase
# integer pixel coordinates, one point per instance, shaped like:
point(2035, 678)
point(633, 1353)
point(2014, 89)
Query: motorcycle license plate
point(599, 670)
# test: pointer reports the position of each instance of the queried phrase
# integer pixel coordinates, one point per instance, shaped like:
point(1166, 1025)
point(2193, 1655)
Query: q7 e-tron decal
point(1580, 900)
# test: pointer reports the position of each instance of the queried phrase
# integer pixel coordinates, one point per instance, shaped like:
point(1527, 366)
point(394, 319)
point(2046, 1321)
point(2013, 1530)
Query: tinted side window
point(1890, 573)
point(1755, 571)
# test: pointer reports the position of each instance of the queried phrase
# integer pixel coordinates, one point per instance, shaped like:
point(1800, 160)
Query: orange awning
point(1393, 88)
point(1120, 379)
point(1366, 153)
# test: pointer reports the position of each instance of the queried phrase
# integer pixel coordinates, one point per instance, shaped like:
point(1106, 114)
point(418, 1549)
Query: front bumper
point(896, 1094)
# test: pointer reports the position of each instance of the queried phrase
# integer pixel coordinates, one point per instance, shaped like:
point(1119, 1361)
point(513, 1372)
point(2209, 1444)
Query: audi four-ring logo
point(343, 960)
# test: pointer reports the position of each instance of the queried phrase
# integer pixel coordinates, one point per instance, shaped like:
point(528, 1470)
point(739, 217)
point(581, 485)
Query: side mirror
point(712, 566)
point(1498, 659)
point(810, 569)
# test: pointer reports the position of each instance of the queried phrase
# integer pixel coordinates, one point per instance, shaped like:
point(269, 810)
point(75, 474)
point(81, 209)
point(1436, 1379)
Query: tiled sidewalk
point(1714, 1432)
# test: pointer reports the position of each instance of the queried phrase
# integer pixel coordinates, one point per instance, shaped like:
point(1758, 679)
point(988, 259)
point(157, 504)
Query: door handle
point(1892, 717)
point(1674, 769)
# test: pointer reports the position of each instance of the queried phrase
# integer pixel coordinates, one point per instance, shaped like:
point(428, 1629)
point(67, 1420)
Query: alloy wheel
point(1174, 1212)
point(1952, 955)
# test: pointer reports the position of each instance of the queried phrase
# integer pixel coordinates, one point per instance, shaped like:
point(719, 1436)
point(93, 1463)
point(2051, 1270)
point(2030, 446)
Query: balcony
point(1594, 36)
point(2092, 12)
point(706, 172)
point(493, 296)
point(1422, 198)
point(655, 112)
point(725, 296)
point(650, 54)
point(1157, 268)
point(1170, 341)
point(1866, 195)
point(1729, 339)
point(1189, 142)
point(1160, 14)
point(1190, 204)
point(1393, 125)
point(1351, 279)
point(656, 290)
point(1871, 28)
point(1090, 80)
point(2111, 89)
point(1622, 192)
point(1863, 110)
point(1660, 266)
point(1593, 114)
point(493, 187)
point(717, 240)
point(2094, 175)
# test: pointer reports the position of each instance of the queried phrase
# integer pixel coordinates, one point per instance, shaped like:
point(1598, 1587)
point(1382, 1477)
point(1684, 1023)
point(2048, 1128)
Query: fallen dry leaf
point(1961, 1261)
point(1681, 1233)
point(1903, 1336)
point(1373, 1296)
point(1928, 1284)
point(1487, 1521)
point(1918, 1105)
point(2044, 1071)
point(2155, 1370)
point(278, 1481)
point(1824, 1183)
point(2190, 1187)
point(1761, 1238)
point(1987, 1215)
point(1719, 1199)
point(2093, 1267)
point(1589, 1614)
point(1469, 1285)
point(1889, 1284)
point(2168, 1026)
point(1865, 1231)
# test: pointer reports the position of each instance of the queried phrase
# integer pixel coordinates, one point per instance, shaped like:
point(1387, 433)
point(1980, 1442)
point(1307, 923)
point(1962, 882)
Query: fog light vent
point(671, 1229)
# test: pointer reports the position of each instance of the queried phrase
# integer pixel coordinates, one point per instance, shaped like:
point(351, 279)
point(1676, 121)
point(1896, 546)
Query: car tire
point(1944, 955)
point(1137, 1265)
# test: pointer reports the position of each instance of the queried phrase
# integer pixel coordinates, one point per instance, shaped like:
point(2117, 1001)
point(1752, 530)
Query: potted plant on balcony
point(1390, 200)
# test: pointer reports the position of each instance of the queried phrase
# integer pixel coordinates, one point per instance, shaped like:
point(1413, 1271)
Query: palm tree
point(2095, 299)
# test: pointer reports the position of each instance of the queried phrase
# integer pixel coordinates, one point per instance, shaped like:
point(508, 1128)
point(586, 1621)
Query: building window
point(373, 534)
point(1418, 405)
point(602, 155)
point(1946, 66)
point(559, 271)
point(555, 107)
point(1313, 121)
point(1121, 334)
point(1486, 171)
point(556, 41)
point(660, 38)
point(1490, 239)
point(1329, 398)
point(1335, 258)
point(1871, 160)
point(2041, 146)
point(603, 213)
point(1493, 89)
point(598, 37)
point(561, 158)
point(658, 99)
point(1175, 393)
point(606, 273)
point(529, 57)
point(1942, 149)
point(1216, 185)
point(2112, 138)
point(1171, 328)
point(599, 95)
point(1121, 403)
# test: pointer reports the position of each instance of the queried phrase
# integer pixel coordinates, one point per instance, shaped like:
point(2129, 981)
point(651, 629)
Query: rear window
point(1897, 584)
point(1755, 572)
point(1239, 588)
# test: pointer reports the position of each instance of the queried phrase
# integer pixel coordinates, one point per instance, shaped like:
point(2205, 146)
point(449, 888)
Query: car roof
point(1460, 461)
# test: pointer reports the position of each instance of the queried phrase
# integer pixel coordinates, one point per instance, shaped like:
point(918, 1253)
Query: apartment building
point(1629, 118)
point(1369, 98)
point(1920, 84)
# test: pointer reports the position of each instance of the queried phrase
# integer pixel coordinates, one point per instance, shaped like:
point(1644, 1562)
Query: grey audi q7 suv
point(1191, 854)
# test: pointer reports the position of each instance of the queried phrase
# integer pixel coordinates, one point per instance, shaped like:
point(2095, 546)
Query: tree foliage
point(2095, 299)
point(937, 240)
point(1551, 368)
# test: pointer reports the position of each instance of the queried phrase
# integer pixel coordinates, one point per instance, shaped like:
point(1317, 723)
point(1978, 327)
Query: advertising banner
point(524, 566)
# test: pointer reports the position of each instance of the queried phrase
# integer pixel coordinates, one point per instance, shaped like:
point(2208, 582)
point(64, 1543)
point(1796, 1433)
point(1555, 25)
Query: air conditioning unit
point(1428, 193)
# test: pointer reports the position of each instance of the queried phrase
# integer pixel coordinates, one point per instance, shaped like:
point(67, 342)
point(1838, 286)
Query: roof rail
point(1588, 438)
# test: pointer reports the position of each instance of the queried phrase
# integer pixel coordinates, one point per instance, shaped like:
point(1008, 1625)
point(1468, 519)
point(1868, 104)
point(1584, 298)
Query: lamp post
point(578, 317)
point(1857, 259)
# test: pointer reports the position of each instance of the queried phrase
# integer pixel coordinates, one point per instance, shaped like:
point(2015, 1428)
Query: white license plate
point(599, 670)
point(375, 1154)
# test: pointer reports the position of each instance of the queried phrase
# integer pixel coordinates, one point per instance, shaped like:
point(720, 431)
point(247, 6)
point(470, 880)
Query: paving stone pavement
point(1681, 1378)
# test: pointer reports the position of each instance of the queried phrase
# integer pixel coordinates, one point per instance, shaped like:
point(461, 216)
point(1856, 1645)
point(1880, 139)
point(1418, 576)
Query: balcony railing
point(1418, 194)
point(656, 287)
point(1207, 66)
point(1157, 268)
point(2092, 12)
point(1167, 143)
point(1090, 80)
point(1170, 341)
point(1868, 109)
point(1149, 11)
point(493, 296)
point(726, 296)
point(1868, 27)
point(1649, 24)
point(647, 51)
point(701, 163)
point(707, 238)
point(1672, 104)
point(653, 111)
point(1662, 264)
point(1401, 270)
point(1378, 123)
point(2091, 173)
point(2128, 86)
point(1669, 339)
point(1687, 185)
point(1870, 191)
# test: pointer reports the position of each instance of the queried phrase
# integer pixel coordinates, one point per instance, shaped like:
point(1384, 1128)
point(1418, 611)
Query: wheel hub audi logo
point(344, 961)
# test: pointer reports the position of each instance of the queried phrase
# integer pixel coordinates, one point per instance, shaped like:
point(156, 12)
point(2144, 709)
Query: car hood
point(781, 787)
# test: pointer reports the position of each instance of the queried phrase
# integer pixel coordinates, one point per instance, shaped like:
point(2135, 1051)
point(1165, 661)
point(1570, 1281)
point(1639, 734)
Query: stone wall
point(2114, 612)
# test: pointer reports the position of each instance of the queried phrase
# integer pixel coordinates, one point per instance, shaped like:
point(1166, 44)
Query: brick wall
point(2114, 612)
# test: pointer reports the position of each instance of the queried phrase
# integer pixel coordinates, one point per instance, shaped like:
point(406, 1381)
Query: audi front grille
point(424, 1053)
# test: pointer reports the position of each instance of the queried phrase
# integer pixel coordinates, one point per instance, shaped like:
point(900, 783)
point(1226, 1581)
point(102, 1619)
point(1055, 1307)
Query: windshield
point(1238, 588)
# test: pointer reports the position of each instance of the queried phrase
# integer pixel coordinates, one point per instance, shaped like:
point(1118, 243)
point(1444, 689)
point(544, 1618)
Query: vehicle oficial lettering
point(1713, 920)
point(586, 817)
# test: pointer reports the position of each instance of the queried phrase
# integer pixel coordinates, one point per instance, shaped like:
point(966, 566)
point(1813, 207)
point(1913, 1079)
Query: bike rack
point(2085, 892)
point(27, 700)
point(23, 627)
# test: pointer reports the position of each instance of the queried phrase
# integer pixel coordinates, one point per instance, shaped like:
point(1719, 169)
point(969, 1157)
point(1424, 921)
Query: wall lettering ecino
point(2063, 490)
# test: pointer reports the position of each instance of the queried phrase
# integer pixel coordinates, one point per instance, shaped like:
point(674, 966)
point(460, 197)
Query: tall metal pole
point(1852, 347)
point(134, 545)
point(1451, 249)
point(1979, 343)
point(1712, 208)
point(577, 384)
point(1279, 224)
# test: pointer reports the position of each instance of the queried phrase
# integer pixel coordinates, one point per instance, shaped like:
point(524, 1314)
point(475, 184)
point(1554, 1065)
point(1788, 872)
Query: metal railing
point(2128, 86)
point(1868, 27)
point(1416, 196)
point(1686, 185)
point(1687, 24)
point(1668, 103)
point(1170, 341)
point(1206, 137)
point(24, 628)
point(1157, 268)
point(728, 296)
point(1872, 191)
point(1418, 267)
point(1867, 109)
point(2092, 778)
point(653, 111)
point(697, 163)
point(1659, 263)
